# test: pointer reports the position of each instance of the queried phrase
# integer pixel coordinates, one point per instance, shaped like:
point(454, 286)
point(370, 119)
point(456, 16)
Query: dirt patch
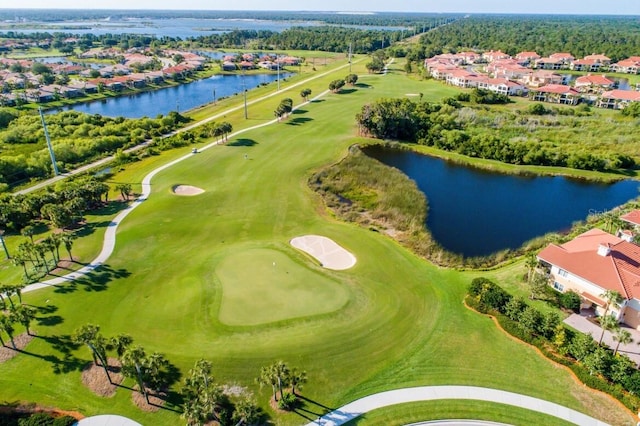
point(156, 400)
point(94, 377)
point(187, 190)
point(7, 352)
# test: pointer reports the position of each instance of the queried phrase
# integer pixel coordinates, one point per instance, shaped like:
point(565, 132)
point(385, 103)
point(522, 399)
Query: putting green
point(263, 285)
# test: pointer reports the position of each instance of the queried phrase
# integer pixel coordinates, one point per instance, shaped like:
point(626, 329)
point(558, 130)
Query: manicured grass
point(265, 285)
point(403, 414)
point(403, 323)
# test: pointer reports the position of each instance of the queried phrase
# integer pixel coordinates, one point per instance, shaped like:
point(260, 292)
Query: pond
point(177, 98)
point(475, 212)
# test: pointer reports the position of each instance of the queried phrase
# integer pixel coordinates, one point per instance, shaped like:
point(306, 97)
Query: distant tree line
point(615, 36)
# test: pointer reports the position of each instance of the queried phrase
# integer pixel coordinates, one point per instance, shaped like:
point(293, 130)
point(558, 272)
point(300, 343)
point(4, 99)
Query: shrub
point(287, 402)
point(570, 300)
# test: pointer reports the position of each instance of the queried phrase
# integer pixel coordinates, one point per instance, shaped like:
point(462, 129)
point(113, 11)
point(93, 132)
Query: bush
point(570, 300)
point(287, 402)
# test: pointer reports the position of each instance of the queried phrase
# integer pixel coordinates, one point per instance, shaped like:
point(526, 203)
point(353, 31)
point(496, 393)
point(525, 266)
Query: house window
point(563, 273)
point(558, 286)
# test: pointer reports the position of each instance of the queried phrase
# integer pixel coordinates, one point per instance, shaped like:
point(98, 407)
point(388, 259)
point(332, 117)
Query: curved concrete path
point(361, 406)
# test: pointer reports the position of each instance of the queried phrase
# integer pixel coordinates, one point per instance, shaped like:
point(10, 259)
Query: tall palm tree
point(282, 374)
point(24, 315)
point(268, 378)
point(120, 343)
point(6, 325)
point(610, 297)
point(607, 323)
point(623, 337)
point(89, 335)
point(132, 362)
point(67, 239)
point(298, 378)
point(531, 263)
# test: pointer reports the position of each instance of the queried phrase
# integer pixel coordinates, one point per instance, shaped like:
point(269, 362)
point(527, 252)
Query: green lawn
point(185, 268)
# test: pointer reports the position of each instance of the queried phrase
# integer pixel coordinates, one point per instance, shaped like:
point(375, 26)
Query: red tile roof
point(625, 95)
point(632, 217)
point(596, 80)
point(559, 89)
point(619, 270)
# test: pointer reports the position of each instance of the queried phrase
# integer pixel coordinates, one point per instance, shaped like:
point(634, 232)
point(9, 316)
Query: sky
point(596, 7)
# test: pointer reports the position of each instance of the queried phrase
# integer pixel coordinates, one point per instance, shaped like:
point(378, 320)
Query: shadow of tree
point(362, 85)
point(317, 101)
point(50, 320)
point(65, 362)
point(299, 111)
point(299, 121)
point(243, 142)
point(346, 91)
point(95, 280)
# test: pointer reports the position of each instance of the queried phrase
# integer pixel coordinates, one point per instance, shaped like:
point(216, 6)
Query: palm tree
point(268, 378)
point(120, 343)
point(89, 335)
point(24, 315)
point(28, 231)
point(610, 296)
point(531, 263)
point(18, 260)
point(607, 323)
point(132, 366)
point(7, 290)
point(67, 239)
point(17, 290)
point(282, 374)
point(6, 325)
point(623, 337)
point(298, 378)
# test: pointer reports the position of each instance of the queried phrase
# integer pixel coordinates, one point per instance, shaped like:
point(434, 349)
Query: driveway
point(632, 350)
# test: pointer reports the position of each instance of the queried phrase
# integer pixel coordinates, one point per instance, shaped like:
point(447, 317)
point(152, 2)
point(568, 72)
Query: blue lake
point(178, 98)
point(475, 213)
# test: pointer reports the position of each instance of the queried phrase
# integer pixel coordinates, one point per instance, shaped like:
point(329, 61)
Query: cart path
point(362, 406)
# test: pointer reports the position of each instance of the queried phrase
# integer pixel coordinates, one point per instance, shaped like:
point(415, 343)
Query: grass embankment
point(403, 324)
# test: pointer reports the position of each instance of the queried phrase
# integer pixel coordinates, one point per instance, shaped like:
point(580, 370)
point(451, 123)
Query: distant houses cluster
point(540, 78)
point(251, 61)
point(18, 82)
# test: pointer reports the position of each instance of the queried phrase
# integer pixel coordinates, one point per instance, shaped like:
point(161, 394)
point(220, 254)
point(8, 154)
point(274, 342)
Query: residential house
point(247, 65)
point(594, 83)
point(462, 78)
point(527, 58)
point(595, 262)
point(590, 65)
point(556, 93)
point(228, 66)
point(565, 58)
point(618, 99)
point(84, 86)
point(602, 59)
point(542, 78)
point(627, 66)
point(502, 86)
point(549, 64)
point(494, 55)
point(633, 218)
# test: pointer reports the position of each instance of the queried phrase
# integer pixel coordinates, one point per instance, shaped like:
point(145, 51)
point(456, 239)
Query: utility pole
point(214, 96)
point(46, 136)
point(350, 52)
point(278, 63)
point(244, 90)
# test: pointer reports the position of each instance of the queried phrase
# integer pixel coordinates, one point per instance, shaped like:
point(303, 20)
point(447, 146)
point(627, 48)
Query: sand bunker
point(328, 253)
point(412, 94)
point(187, 190)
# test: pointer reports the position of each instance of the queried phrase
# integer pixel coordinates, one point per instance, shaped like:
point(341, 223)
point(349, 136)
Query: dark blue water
point(178, 98)
point(475, 213)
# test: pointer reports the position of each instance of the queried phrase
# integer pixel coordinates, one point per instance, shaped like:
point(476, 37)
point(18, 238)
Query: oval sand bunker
point(187, 190)
point(329, 254)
